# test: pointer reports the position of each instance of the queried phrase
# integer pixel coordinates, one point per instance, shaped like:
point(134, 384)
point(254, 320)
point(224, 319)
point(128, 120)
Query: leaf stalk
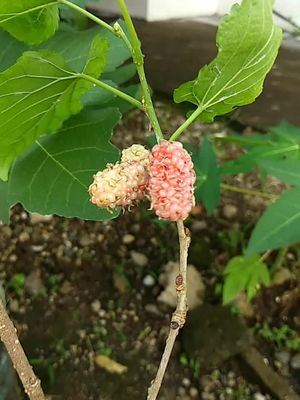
point(138, 59)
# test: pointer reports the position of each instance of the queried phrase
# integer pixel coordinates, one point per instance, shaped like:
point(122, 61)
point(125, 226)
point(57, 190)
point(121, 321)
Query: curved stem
point(87, 14)
point(138, 59)
point(186, 124)
point(247, 191)
point(179, 316)
point(111, 89)
point(8, 336)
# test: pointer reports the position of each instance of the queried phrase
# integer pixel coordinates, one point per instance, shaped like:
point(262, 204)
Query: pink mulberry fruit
point(172, 178)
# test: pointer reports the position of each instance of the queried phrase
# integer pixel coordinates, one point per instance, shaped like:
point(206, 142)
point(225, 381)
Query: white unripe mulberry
point(122, 184)
point(136, 152)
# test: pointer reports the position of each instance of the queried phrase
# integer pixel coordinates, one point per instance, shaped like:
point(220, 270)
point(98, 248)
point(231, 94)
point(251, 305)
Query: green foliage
point(282, 337)
point(243, 273)
point(37, 94)
point(30, 21)
point(54, 175)
point(16, 284)
point(208, 179)
point(248, 43)
point(279, 226)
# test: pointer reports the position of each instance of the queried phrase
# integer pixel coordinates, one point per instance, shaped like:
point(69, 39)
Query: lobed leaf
point(248, 43)
point(29, 21)
point(37, 94)
point(54, 175)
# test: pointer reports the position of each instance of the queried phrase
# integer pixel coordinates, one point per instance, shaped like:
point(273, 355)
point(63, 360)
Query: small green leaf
point(54, 175)
point(286, 170)
point(248, 43)
point(208, 178)
point(279, 226)
point(30, 21)
point(37, 94)
point(246, 274)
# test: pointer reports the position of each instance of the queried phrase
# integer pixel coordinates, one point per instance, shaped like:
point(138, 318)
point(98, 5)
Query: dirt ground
point(77, 290)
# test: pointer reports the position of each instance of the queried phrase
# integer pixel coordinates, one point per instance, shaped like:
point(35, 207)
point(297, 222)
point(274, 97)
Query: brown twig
point(8, 336)
point(179, 316)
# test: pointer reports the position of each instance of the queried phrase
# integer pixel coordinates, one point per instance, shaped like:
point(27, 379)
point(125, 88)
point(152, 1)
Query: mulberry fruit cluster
point(171, 183)
point(166, 177)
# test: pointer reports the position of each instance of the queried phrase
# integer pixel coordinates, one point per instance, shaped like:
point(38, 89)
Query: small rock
point(244, 306)
point(24, 237)
point(295, 362)
point(34, 284)
point(66, 288)
point(283, 356)
point(283, 275)
point(100, 238)
point(120, 283)
point(127, 239)
point(230, 211)
point(85, 241)
point(186, 382)
point(139, 259)
point(36, 218)
point(194, 393)
point(148, 281)
point(198, 226)
point(6, 231)
point(152, 309)
point(196, 288)
point(259, 396)
point(37, 248)
point(96, 306)
point(14, 305)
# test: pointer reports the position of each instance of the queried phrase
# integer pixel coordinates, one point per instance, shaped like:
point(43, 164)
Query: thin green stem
point(186, 124)
point(247, 191)
point(87, 14)
point(138, 59)
point(111, 89)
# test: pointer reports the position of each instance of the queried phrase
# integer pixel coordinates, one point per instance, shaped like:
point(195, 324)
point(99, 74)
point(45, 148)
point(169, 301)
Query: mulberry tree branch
point(179, 316)
point(8, 336)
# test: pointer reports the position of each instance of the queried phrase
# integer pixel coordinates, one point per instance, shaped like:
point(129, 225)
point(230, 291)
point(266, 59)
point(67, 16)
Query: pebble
point(96, 306)
point(24, 237)
point(186, 382)
point(14, 305)
point(198, 226)
point(127, 239)
point(6, 231)
point(152, 309)
point(194, 393)
point(139, 259)
point(34, 284)
point(295, 362)
point(259, 396)
point(85, 240)
point(148, 281)
point(283, 357)
point(230, 211)
point(36, 218)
